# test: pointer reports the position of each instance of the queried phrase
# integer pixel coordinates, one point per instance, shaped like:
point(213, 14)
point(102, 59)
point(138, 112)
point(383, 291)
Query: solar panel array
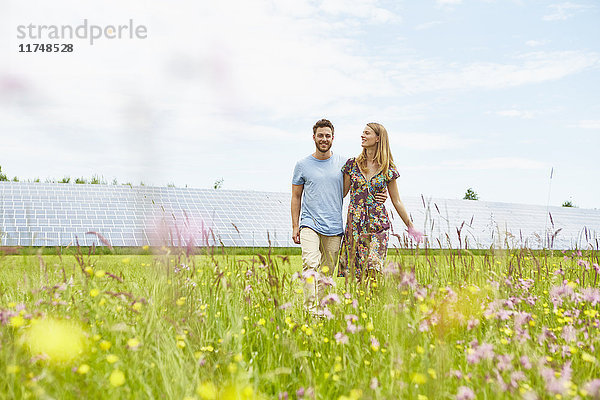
point(46, 214)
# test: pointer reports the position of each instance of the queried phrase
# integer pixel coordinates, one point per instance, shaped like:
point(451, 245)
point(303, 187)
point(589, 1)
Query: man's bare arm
point(296, 202)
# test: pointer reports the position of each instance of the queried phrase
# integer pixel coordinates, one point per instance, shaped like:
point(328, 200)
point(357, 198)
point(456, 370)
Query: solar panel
point(46, 214)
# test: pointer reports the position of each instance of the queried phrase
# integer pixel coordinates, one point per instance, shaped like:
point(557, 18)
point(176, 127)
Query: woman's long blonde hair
point(383, 154)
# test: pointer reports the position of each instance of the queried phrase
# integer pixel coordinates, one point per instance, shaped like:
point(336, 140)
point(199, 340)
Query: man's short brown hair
point(322, 123)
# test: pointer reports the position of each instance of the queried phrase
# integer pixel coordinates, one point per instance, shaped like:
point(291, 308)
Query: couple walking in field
point(320, 182)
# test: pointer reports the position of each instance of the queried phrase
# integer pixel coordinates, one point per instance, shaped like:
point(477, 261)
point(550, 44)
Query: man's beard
point(321, 150)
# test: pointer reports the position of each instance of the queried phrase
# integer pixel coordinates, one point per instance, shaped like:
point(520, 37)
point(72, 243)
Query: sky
point(498, 96)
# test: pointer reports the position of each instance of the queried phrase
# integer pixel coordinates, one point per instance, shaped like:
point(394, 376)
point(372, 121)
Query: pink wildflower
point(341, 338)
point(465, 393)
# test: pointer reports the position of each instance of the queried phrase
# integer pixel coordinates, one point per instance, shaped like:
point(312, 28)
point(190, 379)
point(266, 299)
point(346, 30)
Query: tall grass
point(503, 324)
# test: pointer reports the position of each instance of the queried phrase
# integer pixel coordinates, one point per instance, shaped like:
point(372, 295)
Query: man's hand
point(382, 196)
point(296, 235)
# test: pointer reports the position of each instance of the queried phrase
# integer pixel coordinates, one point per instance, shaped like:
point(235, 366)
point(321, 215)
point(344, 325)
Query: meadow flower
point(58, 341)
point(351, 317)
point(588, 358)
point(525, 363)
point(83, 369)
point(341, 338)
point(327, 281)
point(330, 299)
point(133, 343)
point(117, 378)
point(479, 352)
point(105, 345)
point(569, 333)
point(111, 358)
point(516, 377)
point(504, 362)
point(418, 378)
point(408, 279)
point(374, 384)
point(593, 388)
point(557, 383)
point(590, 295)
point(465, 393)
point(374, 344)
point(17, 321)
point(472, 323)
point(351, 328)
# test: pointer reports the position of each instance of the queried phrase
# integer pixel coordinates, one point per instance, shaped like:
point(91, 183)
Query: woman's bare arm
point(395, 197)
point(346, 184)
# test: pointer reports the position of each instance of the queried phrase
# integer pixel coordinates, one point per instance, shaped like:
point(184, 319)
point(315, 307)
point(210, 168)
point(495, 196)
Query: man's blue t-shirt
point(322, 196)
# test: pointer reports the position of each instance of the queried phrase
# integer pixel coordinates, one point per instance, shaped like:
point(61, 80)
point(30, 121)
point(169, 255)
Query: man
point(317, 196)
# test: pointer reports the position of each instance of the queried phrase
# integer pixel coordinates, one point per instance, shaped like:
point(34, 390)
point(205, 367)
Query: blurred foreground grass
point(434, 326)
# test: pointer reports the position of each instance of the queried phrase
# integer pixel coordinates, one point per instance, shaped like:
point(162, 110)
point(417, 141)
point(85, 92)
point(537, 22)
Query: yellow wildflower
point(117, 378)
point(588, 357)
point(418, 378)
point(207, 391)
point(133, 343)
point(94, 292)
point(105, 345)
point(83, 369)
point(60, 341)
point(17, 321)
point(432, 373)
point(111, 358)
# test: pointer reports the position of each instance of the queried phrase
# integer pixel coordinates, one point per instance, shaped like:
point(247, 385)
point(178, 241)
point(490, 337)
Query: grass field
point(505, 324)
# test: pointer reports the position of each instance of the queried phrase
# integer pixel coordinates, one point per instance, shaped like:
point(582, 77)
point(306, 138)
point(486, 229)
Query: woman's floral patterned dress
point(367, 228)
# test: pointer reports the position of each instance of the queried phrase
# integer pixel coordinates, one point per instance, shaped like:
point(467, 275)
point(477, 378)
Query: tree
point(218, 183)
point(3, 177)
point(568, 203)
point(470, 195)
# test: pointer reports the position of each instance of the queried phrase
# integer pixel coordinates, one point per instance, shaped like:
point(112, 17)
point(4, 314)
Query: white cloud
point(495, 163)
point(430, 75)
point(448, 2)
point(427, 25)
point(363, 9)
point(535, 43)
point(563, 11)
point(589, 124)
point(515, 113)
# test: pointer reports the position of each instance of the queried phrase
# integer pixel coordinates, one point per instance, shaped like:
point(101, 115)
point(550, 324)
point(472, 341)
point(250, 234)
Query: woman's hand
point(415, 234)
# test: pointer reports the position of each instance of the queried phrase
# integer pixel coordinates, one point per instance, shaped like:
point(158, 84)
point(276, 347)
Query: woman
point(367, 228)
